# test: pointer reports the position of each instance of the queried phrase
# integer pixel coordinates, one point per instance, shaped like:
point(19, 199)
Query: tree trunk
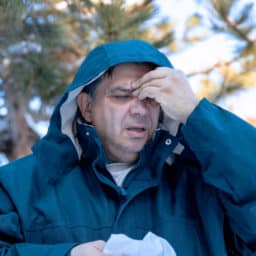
point(18, 129)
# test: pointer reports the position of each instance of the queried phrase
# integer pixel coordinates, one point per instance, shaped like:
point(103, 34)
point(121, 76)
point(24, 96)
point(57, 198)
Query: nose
point(138, 107)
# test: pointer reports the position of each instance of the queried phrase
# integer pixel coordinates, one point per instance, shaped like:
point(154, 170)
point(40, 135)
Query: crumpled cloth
point(151, 245)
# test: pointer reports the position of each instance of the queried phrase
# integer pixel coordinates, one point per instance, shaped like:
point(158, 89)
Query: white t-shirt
point(119, 171)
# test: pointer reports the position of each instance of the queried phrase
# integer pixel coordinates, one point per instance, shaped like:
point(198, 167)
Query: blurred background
point(42, 43)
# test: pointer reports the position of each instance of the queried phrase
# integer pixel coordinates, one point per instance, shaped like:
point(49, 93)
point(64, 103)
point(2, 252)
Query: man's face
point(124, 123)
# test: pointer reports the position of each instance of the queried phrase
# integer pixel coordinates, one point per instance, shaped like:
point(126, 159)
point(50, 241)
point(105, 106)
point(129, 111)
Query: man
point(130, 150)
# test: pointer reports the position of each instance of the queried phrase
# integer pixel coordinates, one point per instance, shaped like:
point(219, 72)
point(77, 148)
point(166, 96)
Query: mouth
point(137, 132)
point(136, 129)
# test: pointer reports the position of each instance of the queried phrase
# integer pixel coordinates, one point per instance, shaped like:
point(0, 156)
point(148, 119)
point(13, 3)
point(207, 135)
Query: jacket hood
point(97, 62)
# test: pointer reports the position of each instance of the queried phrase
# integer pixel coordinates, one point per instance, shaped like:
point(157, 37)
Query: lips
point(137, 131)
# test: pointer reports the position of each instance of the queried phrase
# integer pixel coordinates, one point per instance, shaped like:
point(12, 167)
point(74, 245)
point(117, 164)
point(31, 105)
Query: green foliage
point(111, 21)
point(11, 9)
point(236, 19)
point(233, 18)
point(118, 21)
point(223, 7)
point(38, 74)
point(33, 63)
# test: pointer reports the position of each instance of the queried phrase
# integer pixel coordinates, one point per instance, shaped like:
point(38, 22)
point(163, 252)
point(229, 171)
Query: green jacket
point(49, 202)
point(195, 188)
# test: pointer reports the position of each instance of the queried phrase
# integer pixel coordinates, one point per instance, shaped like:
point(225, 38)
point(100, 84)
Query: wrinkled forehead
point(113, 85)
point(123, 74)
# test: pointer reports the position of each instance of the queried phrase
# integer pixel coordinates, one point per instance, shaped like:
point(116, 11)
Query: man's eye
point(122, 97)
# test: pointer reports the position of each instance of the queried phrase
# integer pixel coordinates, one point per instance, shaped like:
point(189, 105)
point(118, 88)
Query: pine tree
point(31, 37)
point(235, 19)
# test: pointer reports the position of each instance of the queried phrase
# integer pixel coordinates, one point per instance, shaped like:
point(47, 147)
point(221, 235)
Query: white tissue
point(151, 245)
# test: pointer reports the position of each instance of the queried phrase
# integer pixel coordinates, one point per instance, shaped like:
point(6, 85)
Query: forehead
point(123, 74)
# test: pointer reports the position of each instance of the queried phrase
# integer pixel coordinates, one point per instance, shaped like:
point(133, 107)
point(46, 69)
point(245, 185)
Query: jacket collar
point(152, 157)
point(57, 155)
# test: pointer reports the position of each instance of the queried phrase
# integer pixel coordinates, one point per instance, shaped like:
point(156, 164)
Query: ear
point(84, 102)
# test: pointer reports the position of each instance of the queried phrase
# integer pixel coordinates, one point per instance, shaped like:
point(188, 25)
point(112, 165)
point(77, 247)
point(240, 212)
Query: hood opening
point(97, 62)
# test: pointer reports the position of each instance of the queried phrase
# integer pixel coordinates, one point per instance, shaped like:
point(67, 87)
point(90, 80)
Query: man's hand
point(170, 88)
point(94, 248)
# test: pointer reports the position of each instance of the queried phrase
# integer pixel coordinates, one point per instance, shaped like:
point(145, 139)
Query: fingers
point(94, 248)
point(149, 92)
point(160, 77)
point(99, 244)
point(170, 88)
point(157, 73)
point(154, 84)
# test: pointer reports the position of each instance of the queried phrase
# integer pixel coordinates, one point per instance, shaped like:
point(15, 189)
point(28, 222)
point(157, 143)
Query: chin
point(135, 148)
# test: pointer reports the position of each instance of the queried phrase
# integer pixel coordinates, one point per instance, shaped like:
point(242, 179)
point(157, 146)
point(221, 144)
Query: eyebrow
point(119, 89)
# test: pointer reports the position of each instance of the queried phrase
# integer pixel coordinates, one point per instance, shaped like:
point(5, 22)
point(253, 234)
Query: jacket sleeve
point(12, 242)
point(225, 147)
